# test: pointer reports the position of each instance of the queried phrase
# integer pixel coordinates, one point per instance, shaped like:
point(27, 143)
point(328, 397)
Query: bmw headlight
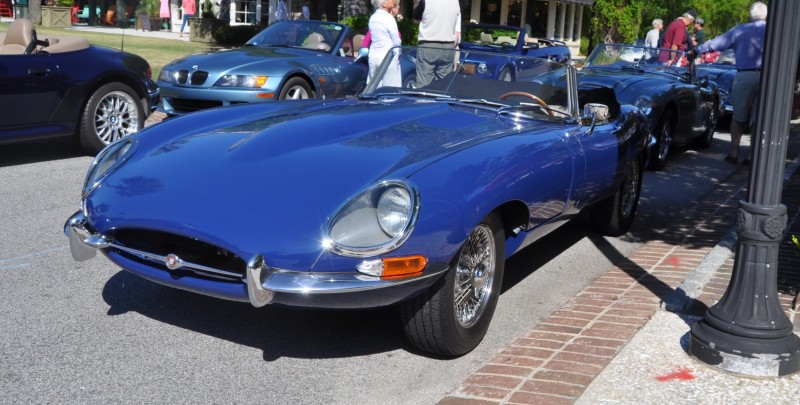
point(250, 81)
point(375, 222)
point(110, 158)
point(166, 76)
point(645, 105)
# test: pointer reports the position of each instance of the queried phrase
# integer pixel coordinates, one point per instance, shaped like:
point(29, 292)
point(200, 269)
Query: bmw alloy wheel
point(116, 116)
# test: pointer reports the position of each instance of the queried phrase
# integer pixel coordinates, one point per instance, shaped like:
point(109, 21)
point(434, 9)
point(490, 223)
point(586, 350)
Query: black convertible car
point(63, 87)
point(681, 108)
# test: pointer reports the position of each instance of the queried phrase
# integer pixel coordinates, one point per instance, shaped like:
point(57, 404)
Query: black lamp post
point(747, 331)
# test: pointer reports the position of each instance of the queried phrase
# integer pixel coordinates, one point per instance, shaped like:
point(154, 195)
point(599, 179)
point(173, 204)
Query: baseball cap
point(700, 21)
point(692, 14)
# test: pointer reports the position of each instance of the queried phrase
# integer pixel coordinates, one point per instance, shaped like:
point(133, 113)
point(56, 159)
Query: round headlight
point(106, 161)
point(376, 221)
point(394, 210)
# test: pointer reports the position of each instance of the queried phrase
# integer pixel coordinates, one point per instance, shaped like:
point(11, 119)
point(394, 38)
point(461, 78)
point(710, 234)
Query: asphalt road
point(91, 333)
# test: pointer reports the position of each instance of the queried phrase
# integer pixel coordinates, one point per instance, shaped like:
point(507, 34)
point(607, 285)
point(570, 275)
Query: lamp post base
point(747, 356)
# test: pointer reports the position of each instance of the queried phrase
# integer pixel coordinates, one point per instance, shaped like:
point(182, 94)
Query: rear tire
point(112, 112)
point(452, 316)
point(707, 138)
point(665, 131)
point(615, 215)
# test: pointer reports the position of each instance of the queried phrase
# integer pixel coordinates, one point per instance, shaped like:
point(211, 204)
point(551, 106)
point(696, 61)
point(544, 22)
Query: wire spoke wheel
point(474, 276)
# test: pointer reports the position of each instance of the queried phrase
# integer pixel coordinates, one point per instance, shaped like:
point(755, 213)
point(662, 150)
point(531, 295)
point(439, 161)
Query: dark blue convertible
point(60, 86)
point(720, 68)
point(505, 40)
point(407, 197)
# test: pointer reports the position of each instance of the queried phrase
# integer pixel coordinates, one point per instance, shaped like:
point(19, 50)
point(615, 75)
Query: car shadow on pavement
point(37, 151)
point(277, 331)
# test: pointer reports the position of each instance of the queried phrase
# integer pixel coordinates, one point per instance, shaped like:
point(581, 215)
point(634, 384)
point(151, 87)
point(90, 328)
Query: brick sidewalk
point(555, 362)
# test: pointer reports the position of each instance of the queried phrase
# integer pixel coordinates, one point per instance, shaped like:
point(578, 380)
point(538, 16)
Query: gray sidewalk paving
point(122, 31)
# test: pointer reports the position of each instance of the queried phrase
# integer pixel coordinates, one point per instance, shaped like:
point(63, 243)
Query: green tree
point(617, 21)
point(625, 21)
point(721, 16)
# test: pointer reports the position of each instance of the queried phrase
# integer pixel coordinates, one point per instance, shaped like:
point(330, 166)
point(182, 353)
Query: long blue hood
point(269, 183)
point(628, 85)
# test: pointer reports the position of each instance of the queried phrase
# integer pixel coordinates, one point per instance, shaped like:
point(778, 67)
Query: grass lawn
point(156, 51)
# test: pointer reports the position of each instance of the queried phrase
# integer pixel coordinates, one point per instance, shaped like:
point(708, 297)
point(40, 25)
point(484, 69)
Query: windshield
point(529, 86)
point(315, 35)
point(638, 57)
point(727, 57)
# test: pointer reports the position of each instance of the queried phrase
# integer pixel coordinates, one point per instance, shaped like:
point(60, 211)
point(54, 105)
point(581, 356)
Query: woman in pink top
point(163, 12)
point(189, 10)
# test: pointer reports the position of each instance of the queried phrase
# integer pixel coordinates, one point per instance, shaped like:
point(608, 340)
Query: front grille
point(196, 78)
point(199, 77)
point(188, 249)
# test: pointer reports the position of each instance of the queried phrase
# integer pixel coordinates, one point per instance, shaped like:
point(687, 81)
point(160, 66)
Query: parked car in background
point(681, 109)
point(292, 59)
point(61, 86)
point(720, 68)
point(508, 40)
point(406, 197)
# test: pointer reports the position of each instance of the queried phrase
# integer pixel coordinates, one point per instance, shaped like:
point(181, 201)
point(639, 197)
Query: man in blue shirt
point(747, 41)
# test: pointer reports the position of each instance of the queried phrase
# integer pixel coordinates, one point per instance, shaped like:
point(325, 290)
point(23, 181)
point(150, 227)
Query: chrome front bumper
point(263, 284)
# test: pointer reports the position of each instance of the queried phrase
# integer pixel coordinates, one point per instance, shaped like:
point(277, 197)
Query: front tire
point(296, 89)
point(452, 316)
point(112, 112)
point(614, 215)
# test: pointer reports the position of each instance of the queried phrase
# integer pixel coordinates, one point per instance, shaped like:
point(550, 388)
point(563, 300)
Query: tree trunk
point(35, 11)
point(351, 8)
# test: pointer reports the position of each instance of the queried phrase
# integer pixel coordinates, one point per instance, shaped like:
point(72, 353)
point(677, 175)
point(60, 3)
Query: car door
point(28, 91)
point(599, 160)
point(344, 77)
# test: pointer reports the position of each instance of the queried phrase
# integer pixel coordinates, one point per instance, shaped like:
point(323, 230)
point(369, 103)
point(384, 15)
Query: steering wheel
point(528, 95)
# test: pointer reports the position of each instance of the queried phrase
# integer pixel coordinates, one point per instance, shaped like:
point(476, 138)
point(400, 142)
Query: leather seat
point(18, 37)
point(317, 42)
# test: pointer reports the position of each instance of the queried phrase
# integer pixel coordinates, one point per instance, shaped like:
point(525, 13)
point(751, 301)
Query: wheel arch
point(515, 217)
point(302, 75)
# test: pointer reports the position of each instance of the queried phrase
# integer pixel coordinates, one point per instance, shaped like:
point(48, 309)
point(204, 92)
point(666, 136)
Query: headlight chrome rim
point(393, 241)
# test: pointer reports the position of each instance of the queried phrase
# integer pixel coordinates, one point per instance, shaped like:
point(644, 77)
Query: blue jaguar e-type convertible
point(409, 197)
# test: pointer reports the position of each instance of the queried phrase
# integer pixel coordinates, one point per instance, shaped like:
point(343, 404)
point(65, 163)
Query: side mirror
point(363, 53)
point(597, 113)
